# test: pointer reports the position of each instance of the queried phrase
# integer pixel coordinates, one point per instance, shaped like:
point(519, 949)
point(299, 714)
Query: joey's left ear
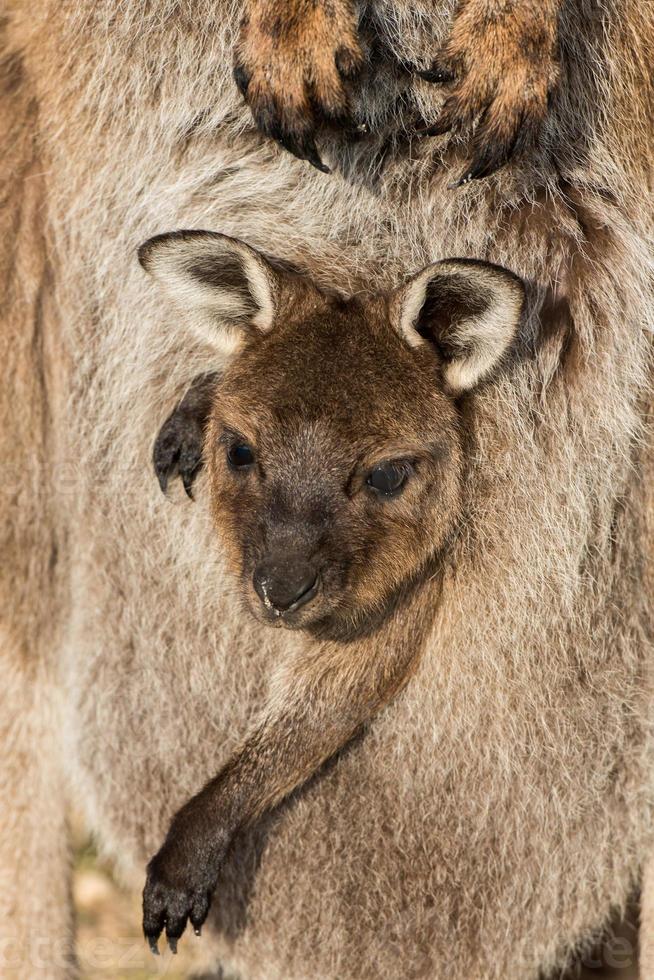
point(224, 289)
point(469, 310)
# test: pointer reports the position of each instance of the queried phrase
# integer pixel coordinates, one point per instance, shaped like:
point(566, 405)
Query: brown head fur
point(335, 444)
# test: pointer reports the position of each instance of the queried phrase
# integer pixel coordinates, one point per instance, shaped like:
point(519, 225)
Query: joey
point(336, 456)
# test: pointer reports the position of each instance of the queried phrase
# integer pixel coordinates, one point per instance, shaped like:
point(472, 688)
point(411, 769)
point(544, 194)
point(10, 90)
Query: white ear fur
point(470, 310)
point(222, 285)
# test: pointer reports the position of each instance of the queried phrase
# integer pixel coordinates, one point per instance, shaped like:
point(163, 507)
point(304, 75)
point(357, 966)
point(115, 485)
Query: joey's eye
point(388, 479)
point(240, 455)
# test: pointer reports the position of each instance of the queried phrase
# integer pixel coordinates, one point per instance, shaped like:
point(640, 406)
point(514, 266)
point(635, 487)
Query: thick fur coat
point(496, 812)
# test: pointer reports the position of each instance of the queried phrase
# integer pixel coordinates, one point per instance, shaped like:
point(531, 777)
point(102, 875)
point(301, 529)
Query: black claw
point(187, 480)
point(190, 465)
point(436, 74)
point(162, 477)
point(199, 911)
point(165, 455)
point(242, 78)
point(485, 163)
point(304, 148)
point(447, 120)
point(314, 159)
point(154, 917)
point(465, 178)
point(491, 153)
point(175, 926)
point(480, 168)
point(299, 142)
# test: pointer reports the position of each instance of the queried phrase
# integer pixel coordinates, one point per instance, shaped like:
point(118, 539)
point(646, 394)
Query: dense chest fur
point(522, 742)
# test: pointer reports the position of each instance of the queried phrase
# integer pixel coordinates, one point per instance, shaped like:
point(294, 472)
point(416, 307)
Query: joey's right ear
point(223, 287)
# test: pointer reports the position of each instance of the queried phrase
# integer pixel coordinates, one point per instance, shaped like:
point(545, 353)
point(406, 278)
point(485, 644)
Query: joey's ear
point(223, 287)
point(469, 310)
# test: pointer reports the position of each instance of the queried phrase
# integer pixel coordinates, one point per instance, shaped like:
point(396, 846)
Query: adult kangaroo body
point(495, 812)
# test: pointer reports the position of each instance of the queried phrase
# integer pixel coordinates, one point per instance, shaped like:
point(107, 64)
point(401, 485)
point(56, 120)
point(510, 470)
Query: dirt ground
point(111, 945)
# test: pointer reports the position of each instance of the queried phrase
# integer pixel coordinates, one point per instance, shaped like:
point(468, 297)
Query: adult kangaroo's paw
point(292, 59)
point(500, 65)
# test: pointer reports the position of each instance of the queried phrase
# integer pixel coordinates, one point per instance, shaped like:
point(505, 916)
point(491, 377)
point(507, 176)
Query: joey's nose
point(285, 585)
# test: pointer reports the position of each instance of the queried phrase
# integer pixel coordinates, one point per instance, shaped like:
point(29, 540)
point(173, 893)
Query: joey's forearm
point(315, 713)
point(317, 705)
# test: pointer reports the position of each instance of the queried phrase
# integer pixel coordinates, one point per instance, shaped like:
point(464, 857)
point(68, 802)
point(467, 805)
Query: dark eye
point(240, 455)
point(388, 478)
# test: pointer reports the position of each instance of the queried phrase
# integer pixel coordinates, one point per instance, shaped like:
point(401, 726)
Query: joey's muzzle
point(285, 585)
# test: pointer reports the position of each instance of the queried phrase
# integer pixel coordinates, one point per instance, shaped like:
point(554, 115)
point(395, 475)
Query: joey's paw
point(291, 64)
point(500, 69)
point(178, 450)
point(174, 894)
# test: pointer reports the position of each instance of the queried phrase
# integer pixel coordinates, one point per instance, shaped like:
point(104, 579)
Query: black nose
point(284, 585)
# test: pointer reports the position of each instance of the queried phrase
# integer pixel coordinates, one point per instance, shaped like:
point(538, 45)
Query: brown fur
point(505, 59)
point(288, 55)
point(316, 433)
point(292, 61)
point(500, 806)
point(33, 829)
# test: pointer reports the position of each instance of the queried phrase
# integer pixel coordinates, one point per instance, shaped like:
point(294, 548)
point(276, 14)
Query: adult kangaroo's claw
point(499, 72)
point(291, 63)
